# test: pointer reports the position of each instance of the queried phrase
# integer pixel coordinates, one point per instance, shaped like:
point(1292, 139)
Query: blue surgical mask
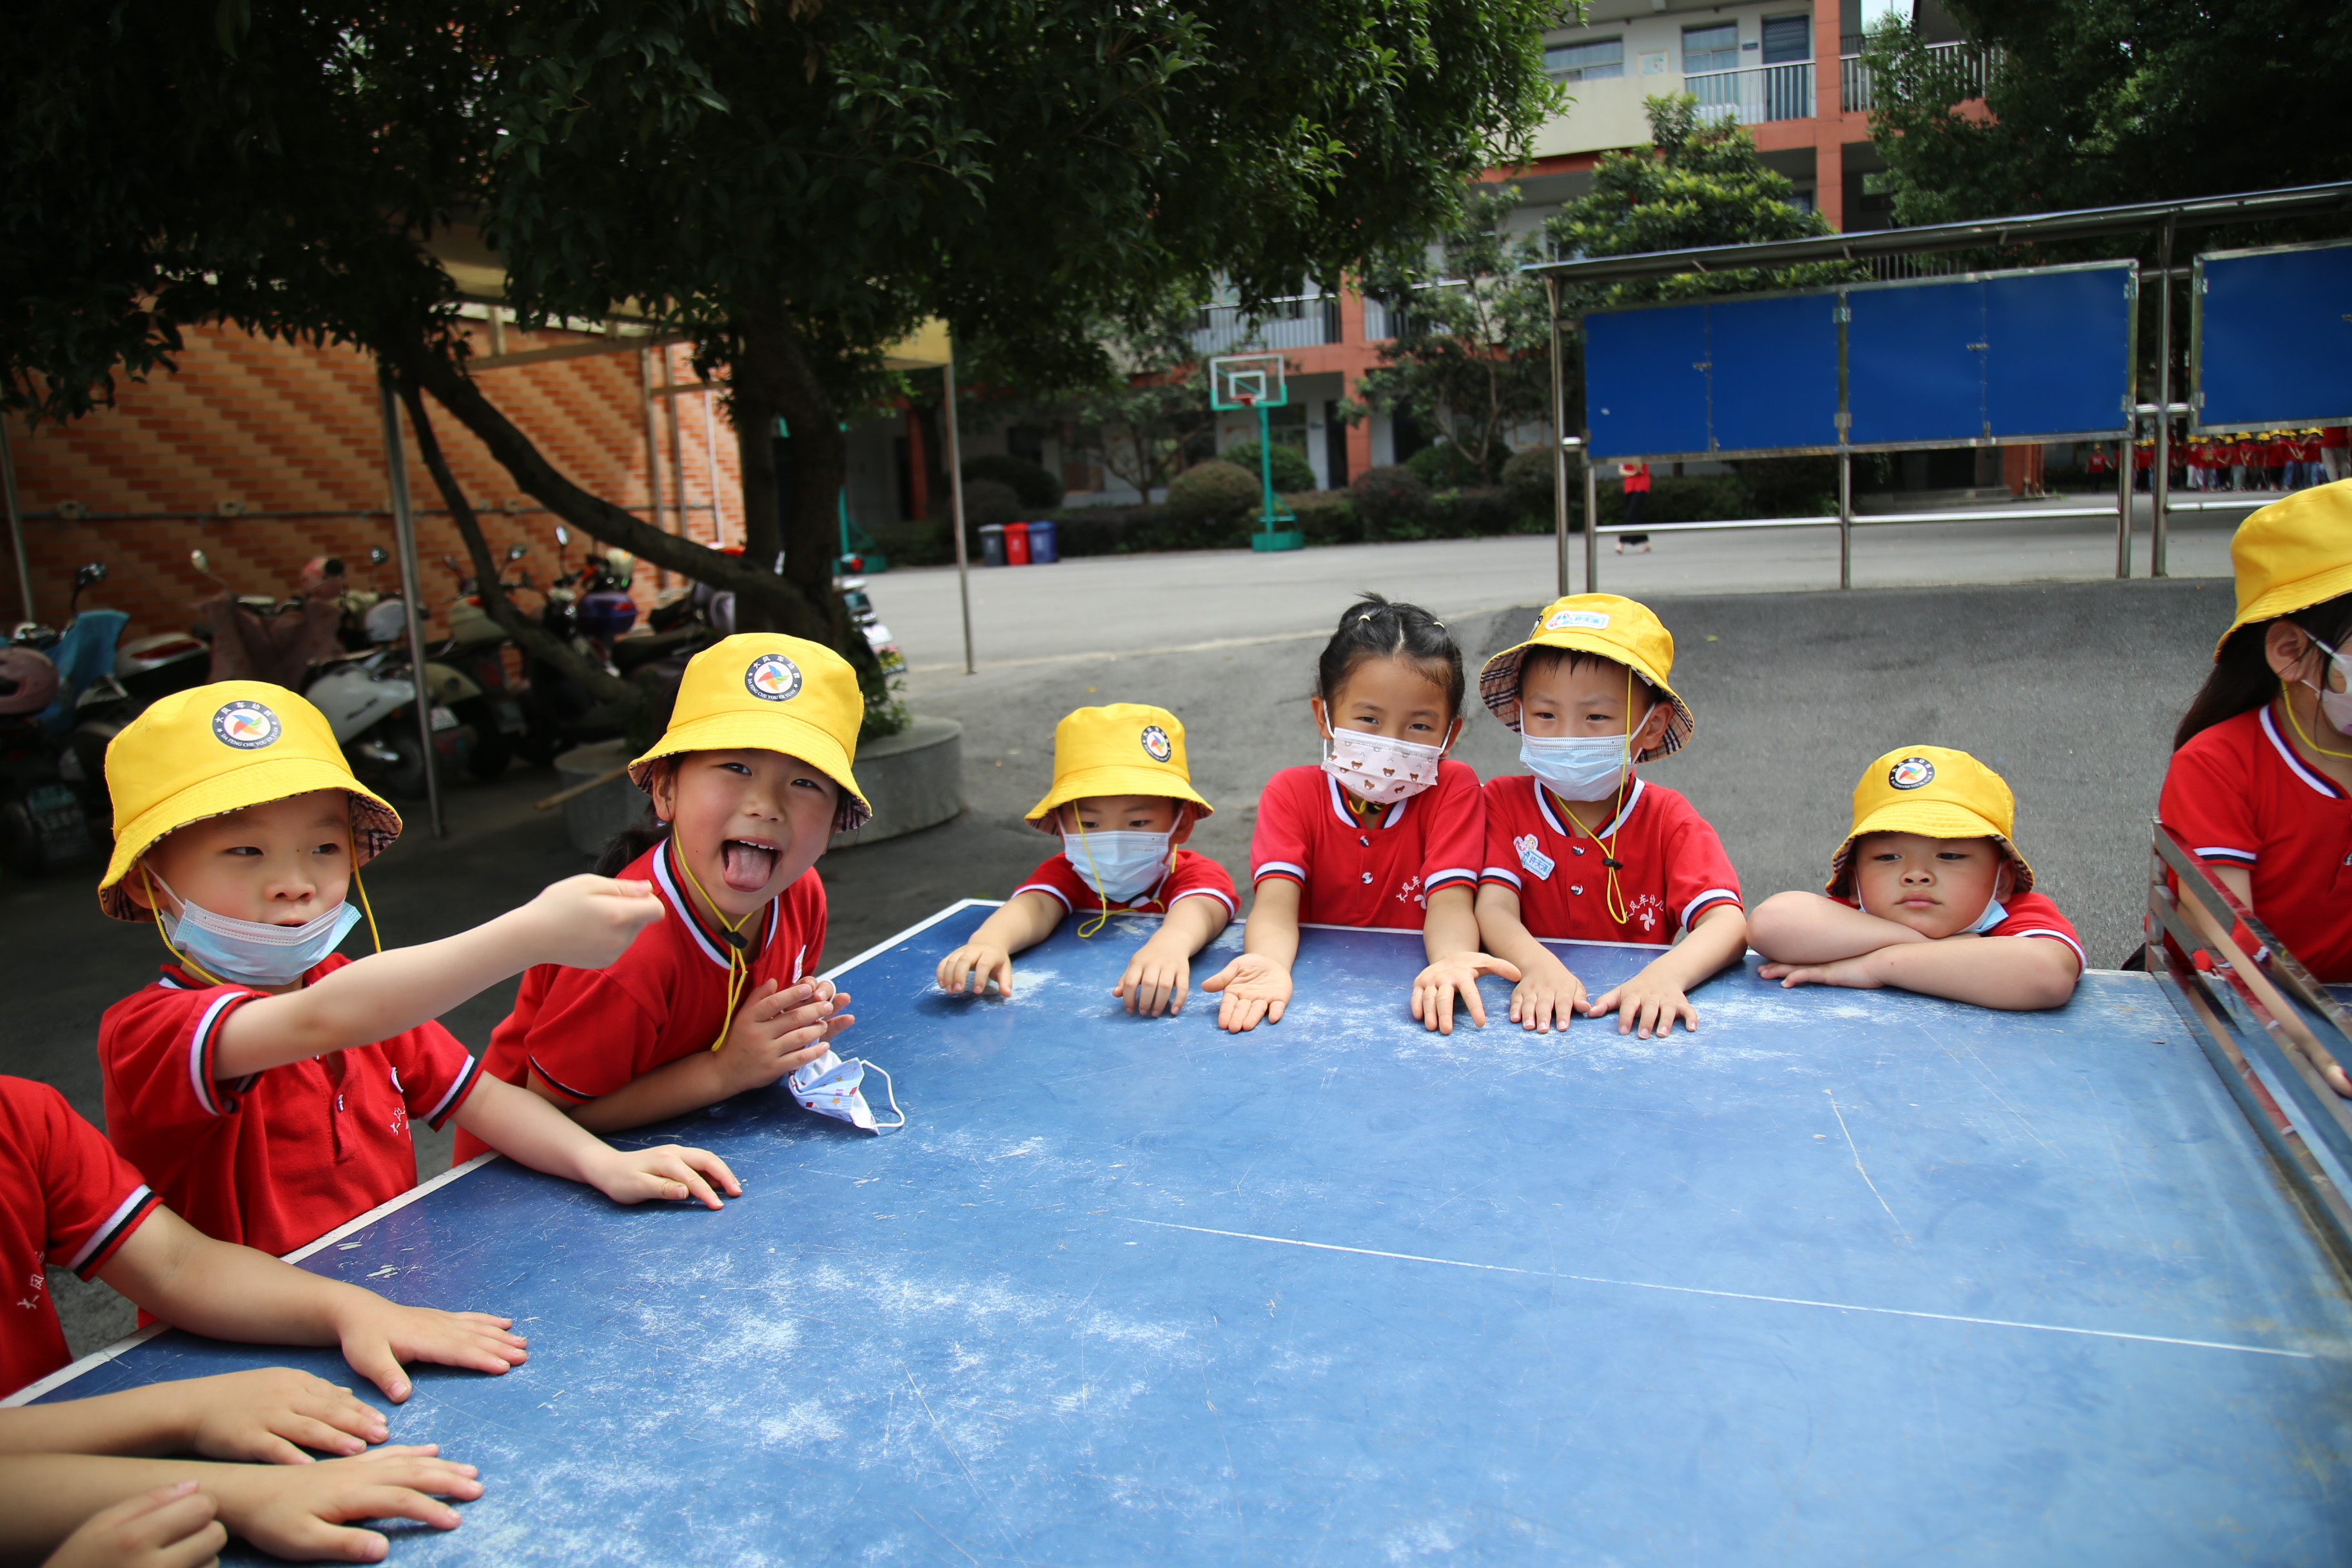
point(1994, 914)
point(1577, 767)
point(248, 952)
point(1118, 866)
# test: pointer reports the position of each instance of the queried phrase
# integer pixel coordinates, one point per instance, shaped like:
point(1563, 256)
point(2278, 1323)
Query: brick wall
point(292, 434)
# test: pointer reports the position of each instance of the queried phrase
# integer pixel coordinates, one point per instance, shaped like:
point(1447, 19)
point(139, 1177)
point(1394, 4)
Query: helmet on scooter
point(28, 681)
point(606, 615)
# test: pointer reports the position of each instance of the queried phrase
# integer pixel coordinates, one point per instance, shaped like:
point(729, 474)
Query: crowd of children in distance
point(259, 1094)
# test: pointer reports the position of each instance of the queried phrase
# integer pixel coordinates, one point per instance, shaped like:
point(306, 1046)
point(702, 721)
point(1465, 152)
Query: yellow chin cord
point(2286, 700)
point(1096, 924)
point(739, 970)
point(1612, 897)
point(156, 911)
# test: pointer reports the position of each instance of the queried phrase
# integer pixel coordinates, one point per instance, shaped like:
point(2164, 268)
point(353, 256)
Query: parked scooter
point(46, 809)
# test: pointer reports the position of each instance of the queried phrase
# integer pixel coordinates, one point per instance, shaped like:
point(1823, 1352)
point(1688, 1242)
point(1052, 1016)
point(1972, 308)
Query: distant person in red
point(2334, 448)
point(2101, 466)
point(1637, 496)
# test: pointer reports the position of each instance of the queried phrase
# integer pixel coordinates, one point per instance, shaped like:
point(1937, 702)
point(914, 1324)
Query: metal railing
point(1301, 322)
point(1754, 95)
point(1968, 68)
point(2274, 1034)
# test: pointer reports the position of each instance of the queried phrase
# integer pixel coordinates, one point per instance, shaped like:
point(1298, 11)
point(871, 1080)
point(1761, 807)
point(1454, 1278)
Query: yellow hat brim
point(1929, 819)
point(780, 731)
point(1498, 684)
point(375, 823)
point(1118, 778)
point(2286, 598)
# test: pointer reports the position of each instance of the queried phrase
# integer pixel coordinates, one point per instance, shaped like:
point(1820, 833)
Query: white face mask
point(829, 1086)
point(1121, 867)
point(1375, 768)
point(1577, 767)
point(250, 953)
point(2337, 705)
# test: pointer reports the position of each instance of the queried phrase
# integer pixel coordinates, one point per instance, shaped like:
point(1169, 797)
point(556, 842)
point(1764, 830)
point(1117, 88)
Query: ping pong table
point(1846, 1276)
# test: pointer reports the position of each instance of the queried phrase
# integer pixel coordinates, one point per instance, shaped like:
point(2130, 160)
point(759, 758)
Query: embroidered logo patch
point(1156, 744)
point(1590, 620)
point(1532, 857)
point(1911, 772)
point(773, 677)
point(245, 724)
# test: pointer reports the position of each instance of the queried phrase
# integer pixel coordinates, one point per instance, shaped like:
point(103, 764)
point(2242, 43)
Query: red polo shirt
point(592, 1032)
point(280, 1157)
point(1193, 875)
point(2240, 796)
point(1377, 870)
point(1674, 867)
point(66, 1198)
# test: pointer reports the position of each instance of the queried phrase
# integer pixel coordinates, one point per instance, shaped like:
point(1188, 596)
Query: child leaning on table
point(1586, 850)
point(66, 1198)
point(748, 784)
point(1123, 802)
point(265, 1084)
point(1928, 893)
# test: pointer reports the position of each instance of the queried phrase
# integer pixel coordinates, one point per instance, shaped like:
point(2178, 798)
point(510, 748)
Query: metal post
point(404, 532)
point(2159, 534)
point(15, 518)
point(1591, 523)
point(710, 451)
point(955, 508)
point(1265, 471)
point(1558, 441)
point(1845, 519)
point(677, 446)
point(653, 439)
point(2123, 509)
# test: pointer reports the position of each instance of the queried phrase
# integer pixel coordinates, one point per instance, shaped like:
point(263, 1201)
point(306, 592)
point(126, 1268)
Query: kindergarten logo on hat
point(247, 725)
point(773, 678)
point(1156, 744)
point(1590, 620)
point(1911, 772)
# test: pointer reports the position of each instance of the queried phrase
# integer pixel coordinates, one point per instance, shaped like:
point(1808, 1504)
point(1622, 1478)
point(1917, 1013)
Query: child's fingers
point(1475, 1003)
point(1274, 1010)
point(372, 1358)
point(1179, 989)
point(1218, 982)
point(1002, 973)
point(1603, 1004)
point(712, 1166)
point(678, 1174)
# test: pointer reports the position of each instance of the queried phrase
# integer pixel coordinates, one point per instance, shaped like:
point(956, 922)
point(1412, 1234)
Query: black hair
point(1546, 656)
point(1374, 627)
point(641, 836)
point(2242, 680)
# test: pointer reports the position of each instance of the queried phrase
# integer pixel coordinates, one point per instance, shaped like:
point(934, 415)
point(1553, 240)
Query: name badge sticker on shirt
point(1533, 859)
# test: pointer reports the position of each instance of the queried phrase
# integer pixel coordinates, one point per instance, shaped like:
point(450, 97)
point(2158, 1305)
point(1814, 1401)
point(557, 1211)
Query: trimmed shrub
point(1033, 482)
point(1445, 466)
point(1479, 511)
point(1391, 503)
point(1527, 479)
point(1214, 490)
point(1325, 517)
point(989, 501)
point(1292, 472)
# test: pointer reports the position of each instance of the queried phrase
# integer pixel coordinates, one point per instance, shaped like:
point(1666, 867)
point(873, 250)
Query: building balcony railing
point(1304, 321)
point(1968, 69)
point(1754, 94)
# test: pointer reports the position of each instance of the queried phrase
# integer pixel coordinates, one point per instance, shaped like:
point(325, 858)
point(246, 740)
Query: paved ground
point(2070, 689)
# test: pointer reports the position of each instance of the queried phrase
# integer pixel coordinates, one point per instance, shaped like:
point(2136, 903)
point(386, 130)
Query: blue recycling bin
point(1041, 552)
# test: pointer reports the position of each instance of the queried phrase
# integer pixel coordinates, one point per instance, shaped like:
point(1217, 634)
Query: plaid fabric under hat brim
point(375, 826)
point(1498, 688)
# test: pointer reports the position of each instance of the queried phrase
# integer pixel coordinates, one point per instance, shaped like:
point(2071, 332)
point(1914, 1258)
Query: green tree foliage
point(1470, 354)
point(1150, 402)
point(2096, 102)
point(1214, 490)
point(1292, 472)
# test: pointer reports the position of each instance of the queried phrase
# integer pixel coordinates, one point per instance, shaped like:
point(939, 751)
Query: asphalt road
point(2070, 689)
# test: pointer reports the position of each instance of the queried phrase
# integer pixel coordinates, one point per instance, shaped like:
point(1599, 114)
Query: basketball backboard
point(1247, 381)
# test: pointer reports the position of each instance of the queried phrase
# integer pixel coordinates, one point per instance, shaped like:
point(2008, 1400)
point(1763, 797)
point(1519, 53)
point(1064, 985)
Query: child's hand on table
point(378, 1336)
point(1547, 997)
point(1645, 1005)
point(777, 1030)
point(300, 1513)
point(1255, 986)
point(1852, 973)
point(261, 1415)
point(170, 1527)
point(1434, 987)
point(1157, 978)
point(979, 963)
point(587, 922)
point(671, 1171)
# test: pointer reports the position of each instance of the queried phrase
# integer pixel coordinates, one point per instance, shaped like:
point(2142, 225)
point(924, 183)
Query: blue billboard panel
point(1775, 377)
point(2273, 337)
point(2058, 355)
point(1914, 362)
point(1645, 381)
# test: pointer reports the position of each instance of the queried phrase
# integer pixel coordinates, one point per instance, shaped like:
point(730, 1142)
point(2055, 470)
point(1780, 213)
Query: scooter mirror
point(196, 559)
point(562, 534)
point(515, 552)
point(451, 562)
point(378, 555)
point(89, 577)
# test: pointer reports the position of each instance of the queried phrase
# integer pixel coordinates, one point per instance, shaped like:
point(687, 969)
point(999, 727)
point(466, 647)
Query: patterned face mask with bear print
point(1378, 769)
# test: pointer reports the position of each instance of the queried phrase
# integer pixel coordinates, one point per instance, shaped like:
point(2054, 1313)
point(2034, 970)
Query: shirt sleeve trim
point(1219, 894)
point(1501, 874)
point(2224, 852)
point(117, 1230)
point(2047, 934)
point(556, 1083)
point(1047, 888)
point(1437, 879)
point(1712, 895)
point(1279, 868)
point(201, 1041)
point(458, 1090)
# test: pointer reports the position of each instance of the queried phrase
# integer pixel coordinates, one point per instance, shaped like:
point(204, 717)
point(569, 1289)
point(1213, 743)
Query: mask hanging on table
point(1378, 769)
point(832, 1086)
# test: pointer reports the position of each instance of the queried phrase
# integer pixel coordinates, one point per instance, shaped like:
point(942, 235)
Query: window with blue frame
point(1715, 47)
point(1586, 60)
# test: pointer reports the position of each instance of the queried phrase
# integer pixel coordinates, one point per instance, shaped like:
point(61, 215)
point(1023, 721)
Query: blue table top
point(1852, 1277)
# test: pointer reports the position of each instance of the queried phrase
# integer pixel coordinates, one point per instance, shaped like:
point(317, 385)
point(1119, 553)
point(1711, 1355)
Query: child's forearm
point(1450, 925)
point(1719, 937)
point(1806, 927)
point(1272, 931)
point(671, 1089)
point(157, 1420)
point(2018, 974)
point(1505, 935)
point(527, 1129)
point(1191, 924)
point(43, 1498)
point(1023, 920)
point(224, 1292)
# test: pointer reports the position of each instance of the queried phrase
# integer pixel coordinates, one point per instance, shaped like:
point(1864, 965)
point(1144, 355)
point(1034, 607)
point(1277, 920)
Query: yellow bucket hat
point(1121, 748)
point(764, 692)
point(1613, 627)
point(1937, 792)
point(2293, 555)
point(222, 748)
